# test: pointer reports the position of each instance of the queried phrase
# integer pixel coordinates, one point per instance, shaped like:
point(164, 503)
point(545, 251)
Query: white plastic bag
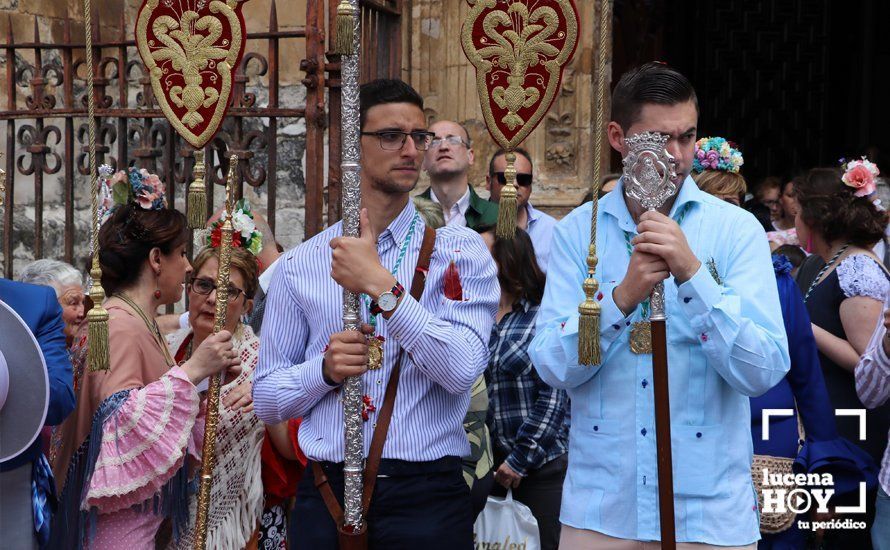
point(506, 524)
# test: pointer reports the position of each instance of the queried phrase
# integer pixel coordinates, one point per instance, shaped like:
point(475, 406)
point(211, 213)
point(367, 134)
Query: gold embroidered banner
point(519, 49)
point(191, 49)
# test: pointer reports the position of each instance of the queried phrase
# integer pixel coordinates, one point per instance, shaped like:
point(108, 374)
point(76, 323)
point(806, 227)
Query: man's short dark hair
point(653, 82)
point(501, 152)
point(385, 90)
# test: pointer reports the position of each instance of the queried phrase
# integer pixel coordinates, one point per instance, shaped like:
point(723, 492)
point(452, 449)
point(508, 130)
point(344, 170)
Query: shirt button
point(698, 435)
point(643, 431)
point(379, 381)
point(645, 383)
point(596, 428)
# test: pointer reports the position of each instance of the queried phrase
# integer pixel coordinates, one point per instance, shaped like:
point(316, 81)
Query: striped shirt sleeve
point(287, 384)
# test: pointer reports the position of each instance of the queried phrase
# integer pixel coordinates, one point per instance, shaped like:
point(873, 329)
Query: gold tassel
point(345, 34)
point(589, 352)
point(506, 227)
point(197, 197)
point(97, 319)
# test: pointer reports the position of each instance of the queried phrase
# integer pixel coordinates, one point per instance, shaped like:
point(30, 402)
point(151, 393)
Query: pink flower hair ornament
point(138, 186)
point(861, 175)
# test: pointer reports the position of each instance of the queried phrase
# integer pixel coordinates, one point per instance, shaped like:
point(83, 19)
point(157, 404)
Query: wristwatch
point(387, 301)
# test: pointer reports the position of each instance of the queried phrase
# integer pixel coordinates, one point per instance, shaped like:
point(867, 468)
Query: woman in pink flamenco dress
point(122, 466)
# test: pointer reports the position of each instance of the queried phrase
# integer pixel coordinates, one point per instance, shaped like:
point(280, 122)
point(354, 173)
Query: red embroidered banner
point(519, 49)
point(191, 49)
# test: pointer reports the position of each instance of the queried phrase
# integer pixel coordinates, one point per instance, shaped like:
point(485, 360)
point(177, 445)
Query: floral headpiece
point(136, 185)
point(245, 234)
point(715, 153)
point(861, 175)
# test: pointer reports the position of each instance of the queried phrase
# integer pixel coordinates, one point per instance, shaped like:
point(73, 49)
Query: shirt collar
point(397, 231)
point(462, 203)
point(522, 305)
point(265, 278)
point(613, 202)
point(533, 213)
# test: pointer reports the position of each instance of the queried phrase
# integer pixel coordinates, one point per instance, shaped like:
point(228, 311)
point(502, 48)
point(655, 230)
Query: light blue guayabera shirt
point(726, 342)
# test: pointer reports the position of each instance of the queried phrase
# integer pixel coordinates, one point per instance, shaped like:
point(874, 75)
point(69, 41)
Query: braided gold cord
point(589, 352)
point(97, 317)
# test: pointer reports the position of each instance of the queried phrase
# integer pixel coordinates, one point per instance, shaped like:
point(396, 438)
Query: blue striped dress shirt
point(446, 343)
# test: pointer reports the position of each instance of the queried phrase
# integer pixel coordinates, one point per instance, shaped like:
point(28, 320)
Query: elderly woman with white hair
point(68, 284)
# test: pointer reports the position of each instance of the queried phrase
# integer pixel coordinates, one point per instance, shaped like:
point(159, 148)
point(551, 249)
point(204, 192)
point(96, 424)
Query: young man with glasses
point(420, 498)
point(537, 224)
point(447, 162)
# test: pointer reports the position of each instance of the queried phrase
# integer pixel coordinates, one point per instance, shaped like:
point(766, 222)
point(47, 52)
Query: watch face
point(387, 301)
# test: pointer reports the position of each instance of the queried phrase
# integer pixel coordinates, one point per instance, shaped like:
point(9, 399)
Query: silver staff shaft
point(351, 203)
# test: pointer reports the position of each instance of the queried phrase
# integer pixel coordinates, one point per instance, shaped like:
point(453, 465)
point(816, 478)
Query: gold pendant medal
point(641, 333)
point(641, 337)
point(375, 352)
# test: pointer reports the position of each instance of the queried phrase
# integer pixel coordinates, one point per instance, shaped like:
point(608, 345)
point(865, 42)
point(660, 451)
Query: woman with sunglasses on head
point(121, 463)
point(237, 493)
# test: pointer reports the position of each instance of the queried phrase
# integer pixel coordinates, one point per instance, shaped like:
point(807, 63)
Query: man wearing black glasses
point(538, 224)
point(437, 346)
point(447, 161)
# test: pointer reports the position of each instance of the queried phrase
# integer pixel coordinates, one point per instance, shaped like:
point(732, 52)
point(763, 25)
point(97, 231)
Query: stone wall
point(561, 147)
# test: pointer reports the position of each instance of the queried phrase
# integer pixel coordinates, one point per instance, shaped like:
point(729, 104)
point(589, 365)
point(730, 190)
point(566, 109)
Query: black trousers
point(415, 505)
point(541, 491)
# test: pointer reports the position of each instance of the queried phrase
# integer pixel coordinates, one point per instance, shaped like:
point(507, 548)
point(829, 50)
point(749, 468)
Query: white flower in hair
point(243, 223)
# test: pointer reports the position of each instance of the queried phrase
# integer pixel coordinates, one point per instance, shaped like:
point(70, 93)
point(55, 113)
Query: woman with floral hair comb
point(237, 492)
point(121, 467)
point(839, 221)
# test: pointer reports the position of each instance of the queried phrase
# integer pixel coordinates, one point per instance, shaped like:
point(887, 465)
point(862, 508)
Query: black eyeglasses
point(450, 140)
point(394, 140)
point(205, 286)
point(522, 180)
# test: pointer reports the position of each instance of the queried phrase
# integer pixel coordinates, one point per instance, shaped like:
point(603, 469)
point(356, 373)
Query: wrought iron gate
point(45, 120)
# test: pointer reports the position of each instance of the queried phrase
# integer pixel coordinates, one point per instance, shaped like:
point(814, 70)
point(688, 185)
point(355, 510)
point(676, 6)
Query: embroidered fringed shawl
point(236, 498)
point(124, 447)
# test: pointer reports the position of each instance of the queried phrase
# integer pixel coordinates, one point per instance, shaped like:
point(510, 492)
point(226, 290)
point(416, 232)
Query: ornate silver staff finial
point(649, 175)
point(649, 170)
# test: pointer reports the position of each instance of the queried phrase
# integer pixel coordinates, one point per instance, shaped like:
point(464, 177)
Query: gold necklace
point(151, 324)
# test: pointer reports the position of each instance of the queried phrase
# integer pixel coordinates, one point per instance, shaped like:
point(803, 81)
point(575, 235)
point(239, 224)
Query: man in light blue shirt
point(537, 224)
point(726, 342)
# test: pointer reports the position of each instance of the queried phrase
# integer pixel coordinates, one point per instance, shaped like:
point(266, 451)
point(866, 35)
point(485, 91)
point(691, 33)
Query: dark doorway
point(796, 83)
